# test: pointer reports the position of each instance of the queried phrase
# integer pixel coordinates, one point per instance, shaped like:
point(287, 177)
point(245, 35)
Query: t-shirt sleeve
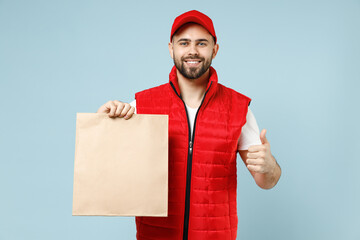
point(250, 134)
point(133, 104)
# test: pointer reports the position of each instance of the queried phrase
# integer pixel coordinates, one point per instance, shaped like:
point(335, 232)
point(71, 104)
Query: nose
point(193, 49)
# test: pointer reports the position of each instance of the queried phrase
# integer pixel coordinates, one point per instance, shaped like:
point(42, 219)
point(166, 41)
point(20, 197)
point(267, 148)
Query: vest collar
point(211, 86)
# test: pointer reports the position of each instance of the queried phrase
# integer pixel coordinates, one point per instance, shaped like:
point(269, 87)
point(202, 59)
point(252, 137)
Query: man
point(208, 124)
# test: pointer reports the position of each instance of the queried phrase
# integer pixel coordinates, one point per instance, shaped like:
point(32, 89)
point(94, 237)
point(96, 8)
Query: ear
point(215, 50)
point(171, 50)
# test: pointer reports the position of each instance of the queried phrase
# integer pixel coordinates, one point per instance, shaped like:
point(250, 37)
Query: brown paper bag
point(121, 166)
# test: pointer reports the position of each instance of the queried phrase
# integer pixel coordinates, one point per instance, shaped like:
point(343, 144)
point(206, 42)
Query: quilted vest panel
point(202, 169)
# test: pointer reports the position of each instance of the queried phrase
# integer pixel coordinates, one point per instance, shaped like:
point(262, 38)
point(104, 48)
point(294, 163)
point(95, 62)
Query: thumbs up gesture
point(259, 158)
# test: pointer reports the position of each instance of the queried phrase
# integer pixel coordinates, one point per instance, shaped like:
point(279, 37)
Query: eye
point(183, 43)
point(202, 44)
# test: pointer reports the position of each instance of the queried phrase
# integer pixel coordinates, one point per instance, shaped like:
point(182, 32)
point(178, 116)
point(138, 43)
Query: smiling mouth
point(192, 62)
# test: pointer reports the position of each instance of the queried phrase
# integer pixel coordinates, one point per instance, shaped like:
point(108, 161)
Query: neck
point(193, 90)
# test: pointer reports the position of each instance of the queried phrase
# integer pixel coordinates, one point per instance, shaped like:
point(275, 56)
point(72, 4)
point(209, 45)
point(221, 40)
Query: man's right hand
point(117, 109)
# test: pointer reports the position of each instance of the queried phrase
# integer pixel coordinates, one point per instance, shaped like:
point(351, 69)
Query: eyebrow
point(189, 40)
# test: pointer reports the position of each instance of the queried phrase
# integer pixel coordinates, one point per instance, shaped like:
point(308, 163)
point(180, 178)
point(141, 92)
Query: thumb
point(263, 137)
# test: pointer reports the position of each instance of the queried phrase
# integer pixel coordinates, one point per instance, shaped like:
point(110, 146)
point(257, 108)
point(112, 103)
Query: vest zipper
point(190, 147)
point(189, 163)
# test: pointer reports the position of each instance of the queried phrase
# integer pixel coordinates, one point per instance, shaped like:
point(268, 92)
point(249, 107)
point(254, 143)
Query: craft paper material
point(121, 166)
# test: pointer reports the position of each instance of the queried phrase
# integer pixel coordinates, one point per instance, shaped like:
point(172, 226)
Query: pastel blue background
point(298, 60)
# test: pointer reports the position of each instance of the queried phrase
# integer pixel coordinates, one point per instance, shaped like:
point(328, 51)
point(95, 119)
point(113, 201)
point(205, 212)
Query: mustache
point(192, 58)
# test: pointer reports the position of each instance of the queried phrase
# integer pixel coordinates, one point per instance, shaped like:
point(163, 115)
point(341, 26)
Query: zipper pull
point(190, 147)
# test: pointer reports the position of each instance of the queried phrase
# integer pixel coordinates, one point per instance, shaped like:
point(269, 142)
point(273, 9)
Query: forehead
point(192, 31)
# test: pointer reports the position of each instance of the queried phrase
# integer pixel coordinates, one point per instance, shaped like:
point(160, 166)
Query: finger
point(129, 113)
point(256, 148)
point(255, 168)
point(257, 161)
point(120, 106)
point(105, 108)
point(125, 110)
point(259, 154)
point(112, 108)
point(263, 136)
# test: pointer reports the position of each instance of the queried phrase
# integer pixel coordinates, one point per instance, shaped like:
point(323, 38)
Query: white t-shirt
point(250, 134)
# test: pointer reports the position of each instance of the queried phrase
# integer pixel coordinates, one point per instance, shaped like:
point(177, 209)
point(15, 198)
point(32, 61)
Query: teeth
point(193, 61)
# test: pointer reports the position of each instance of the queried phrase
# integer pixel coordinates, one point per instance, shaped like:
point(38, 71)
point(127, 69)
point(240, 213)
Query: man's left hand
point(259, 158)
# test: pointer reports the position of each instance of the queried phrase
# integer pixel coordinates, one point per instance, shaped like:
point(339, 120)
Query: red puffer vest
point(202, 169)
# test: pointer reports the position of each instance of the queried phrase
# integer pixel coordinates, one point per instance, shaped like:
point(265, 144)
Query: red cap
point(195, 17)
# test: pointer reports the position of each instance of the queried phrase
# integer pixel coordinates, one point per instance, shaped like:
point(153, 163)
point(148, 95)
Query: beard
point(192, 72)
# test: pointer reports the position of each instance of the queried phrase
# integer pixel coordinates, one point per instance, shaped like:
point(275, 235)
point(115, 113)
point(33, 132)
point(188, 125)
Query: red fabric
point(195, 17)
point(213, 213)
